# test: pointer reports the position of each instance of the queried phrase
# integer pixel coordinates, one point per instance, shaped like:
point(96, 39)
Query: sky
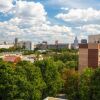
point(49, 20)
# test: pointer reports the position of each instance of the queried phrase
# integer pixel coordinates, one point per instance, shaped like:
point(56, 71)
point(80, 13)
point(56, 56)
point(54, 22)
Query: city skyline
point(49, 20)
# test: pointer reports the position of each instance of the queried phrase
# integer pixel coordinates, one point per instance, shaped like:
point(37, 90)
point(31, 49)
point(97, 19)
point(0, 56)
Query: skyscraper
point(16, 42)
point(75, 45)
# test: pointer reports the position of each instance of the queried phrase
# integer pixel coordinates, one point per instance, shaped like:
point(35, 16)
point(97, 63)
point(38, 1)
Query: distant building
point(33, 46)
point(16, 42)
point(58, 46)
point(83, 41)
point(45, 46)
point(69, 46)
point(5, 42)
point(27, 45)
point(12, 58)
point(29, 58)
point(6, 46)
point(56, 42)
point(75, 44)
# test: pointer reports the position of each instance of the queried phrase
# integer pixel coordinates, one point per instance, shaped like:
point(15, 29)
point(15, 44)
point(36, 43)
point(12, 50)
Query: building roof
point(52, 98)
point(12, 58)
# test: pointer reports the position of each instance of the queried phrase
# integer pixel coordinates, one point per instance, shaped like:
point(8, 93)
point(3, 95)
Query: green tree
point(60, 65)
point(84, 84)
point(51, 76)
point(22, 82)
point(95, 85)
point(34, 85)
point(70, 78)
point(8, 87)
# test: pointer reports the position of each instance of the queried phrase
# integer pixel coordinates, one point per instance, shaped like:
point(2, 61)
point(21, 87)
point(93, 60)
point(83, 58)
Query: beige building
point(94, 38)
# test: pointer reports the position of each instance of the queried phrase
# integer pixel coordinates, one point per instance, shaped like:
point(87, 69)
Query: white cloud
point(5, 5)
point(60, 2)
point(9, 29)
point(64, 8)
point(91, 29)
point(74, 3)
point(30, 20)
point(86, 30)
point(30, 10)
point(80, 15)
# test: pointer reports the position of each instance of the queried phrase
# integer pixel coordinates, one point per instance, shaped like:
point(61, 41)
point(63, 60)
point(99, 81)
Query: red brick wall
point(93, 58)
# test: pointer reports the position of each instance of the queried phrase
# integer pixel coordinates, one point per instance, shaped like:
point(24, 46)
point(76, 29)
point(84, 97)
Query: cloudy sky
point(49, 20)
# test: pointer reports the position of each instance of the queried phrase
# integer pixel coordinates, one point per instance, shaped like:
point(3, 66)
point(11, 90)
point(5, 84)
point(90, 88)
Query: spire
point(76, 40)
point(76, 43)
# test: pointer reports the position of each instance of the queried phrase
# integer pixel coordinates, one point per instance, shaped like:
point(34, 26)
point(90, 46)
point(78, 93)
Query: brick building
point(12, 58)
point(89, 53)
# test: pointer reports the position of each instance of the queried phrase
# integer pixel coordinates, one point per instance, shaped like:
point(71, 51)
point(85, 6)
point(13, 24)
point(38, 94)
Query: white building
point(75, 44)
point(28, 58)
point(6, 46)
point(27, 45)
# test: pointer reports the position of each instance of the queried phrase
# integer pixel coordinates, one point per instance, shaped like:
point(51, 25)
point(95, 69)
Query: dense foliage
point(95, 85)
point(49, 77)
point(84, 84)
point(70, 78)
point(23, 82)
point(29, 81)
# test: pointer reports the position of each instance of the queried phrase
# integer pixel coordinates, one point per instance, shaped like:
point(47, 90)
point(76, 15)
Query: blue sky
point(49, 20)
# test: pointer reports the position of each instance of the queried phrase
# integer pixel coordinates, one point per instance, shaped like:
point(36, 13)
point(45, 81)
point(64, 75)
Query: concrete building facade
point(94, 38)
point(58, 46)
point(27, 45)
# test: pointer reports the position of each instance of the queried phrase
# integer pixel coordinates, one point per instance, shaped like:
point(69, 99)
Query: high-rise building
point(75, 44)
point(89, 54)
point(27, 45)
point(16, 42)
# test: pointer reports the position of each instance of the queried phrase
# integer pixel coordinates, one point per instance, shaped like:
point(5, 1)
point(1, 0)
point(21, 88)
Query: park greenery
point(56, 74)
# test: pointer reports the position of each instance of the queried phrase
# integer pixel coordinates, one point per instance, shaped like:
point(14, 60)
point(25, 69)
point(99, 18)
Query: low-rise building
point(30, 58)
point(12, 58)
point(6, 46)
point(44, 46)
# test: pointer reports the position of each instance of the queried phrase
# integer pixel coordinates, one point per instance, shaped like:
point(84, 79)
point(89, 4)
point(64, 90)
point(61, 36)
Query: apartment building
point(89, 53)
point(27, 45)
